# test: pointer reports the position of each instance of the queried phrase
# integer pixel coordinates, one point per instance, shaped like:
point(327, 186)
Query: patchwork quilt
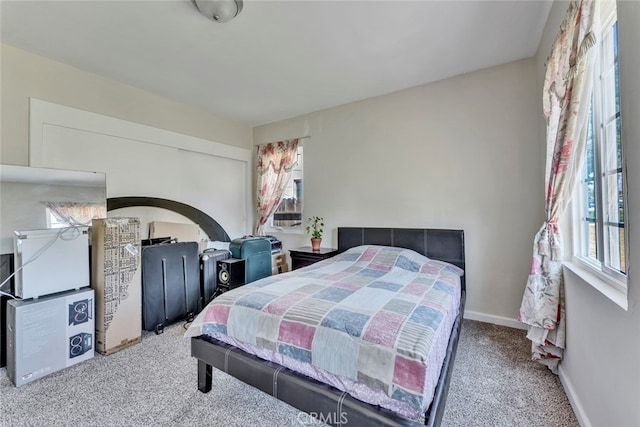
point(372, 316)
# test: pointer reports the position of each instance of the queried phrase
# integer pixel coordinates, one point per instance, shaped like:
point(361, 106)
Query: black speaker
point(231, 273)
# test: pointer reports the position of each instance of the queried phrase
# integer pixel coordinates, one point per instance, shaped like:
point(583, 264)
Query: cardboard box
point(47, 334)
point(175, 230)
point(116, 277)
point(279, 263)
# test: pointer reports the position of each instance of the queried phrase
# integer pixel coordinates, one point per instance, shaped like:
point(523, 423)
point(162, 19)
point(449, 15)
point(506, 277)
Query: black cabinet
point(304, 256)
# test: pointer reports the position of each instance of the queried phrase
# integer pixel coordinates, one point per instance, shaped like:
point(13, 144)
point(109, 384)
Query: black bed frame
point(322, 401)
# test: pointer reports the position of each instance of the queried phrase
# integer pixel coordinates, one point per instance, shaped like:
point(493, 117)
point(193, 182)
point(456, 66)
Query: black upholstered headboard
point(440, 244)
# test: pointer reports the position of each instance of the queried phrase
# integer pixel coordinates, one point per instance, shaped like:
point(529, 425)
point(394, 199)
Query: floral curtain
point(566, 97)
point(73, 213)
point(275, 162)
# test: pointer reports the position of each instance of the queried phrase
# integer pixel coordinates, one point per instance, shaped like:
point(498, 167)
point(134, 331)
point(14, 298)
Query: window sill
point(602, 284)
point(274, 230)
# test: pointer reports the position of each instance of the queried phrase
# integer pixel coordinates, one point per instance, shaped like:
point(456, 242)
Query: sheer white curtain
point(274, 165)
point(74, 213)
point(567, 94)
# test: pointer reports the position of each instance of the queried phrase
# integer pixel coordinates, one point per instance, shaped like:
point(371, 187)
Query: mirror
point(37, 198)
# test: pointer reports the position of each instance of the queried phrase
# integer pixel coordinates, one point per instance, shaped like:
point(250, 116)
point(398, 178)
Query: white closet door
point(139, 166)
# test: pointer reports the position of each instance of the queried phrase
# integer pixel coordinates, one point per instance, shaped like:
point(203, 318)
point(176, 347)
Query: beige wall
point(26, 75)
point(459, 153)
point(601, 369)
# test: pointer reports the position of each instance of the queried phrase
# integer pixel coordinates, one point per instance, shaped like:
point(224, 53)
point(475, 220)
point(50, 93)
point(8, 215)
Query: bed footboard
point(319, 400)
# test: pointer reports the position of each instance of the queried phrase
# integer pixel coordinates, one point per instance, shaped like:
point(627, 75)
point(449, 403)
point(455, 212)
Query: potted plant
point(315, 229)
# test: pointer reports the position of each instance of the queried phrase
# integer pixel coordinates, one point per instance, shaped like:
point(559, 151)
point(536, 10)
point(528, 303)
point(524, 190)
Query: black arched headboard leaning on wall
point(210, 226)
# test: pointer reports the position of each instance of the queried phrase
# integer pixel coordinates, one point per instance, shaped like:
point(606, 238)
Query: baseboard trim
point(578, 410)
point(496, 320)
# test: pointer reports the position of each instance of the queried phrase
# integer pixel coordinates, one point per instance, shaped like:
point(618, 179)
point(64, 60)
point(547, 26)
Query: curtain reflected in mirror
point(65, 214)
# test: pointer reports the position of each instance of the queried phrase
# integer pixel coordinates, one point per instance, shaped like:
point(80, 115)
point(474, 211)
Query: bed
point(411, 278)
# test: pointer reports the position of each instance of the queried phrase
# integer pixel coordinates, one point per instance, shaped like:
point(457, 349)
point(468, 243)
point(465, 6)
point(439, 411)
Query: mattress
point(373, 321)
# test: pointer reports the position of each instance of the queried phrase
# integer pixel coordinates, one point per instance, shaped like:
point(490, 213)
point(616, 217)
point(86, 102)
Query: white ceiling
point(277, 59)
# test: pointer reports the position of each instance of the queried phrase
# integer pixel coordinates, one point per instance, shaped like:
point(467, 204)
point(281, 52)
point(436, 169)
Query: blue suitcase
point(256, 251)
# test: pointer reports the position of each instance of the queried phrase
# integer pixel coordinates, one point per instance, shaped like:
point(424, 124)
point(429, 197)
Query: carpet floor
point(154, 384)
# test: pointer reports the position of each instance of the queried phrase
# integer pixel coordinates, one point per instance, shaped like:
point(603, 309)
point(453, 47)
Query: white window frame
point(610, 282)
point(52, 220)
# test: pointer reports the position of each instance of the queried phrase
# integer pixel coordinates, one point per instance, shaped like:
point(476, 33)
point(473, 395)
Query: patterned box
point(116, 277)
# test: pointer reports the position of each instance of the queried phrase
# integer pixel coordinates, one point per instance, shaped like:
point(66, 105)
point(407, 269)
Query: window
point(602, 237)
point(66, 214)
point(288, 215)
point(53, 221)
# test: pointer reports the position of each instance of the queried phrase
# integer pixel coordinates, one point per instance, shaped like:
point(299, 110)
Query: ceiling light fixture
point(219, 10)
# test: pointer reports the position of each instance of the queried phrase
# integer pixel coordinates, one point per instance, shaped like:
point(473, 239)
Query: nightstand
point(304, 256)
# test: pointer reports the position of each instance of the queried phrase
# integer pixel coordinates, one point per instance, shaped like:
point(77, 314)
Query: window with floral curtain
point(74, 213)
point(274, 165)
point(566, 96)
